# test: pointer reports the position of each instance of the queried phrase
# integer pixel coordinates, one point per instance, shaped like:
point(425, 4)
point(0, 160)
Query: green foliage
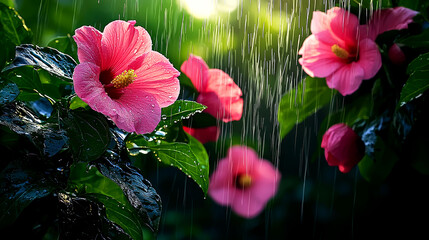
point(8, 91)
point(181, 109)
point(89, 134)
point(418, 42)
point(418, 82)
point(296, 105)
point(13, 32)
point(65, 44)
point(49, 59)
point(76, 102)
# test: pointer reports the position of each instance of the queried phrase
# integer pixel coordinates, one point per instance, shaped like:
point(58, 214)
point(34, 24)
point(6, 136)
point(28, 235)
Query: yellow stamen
point(244, 181)
point(124, 79)
point(339, 52)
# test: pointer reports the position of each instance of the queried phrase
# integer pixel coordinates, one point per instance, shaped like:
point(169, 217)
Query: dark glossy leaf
point(65, 44)
point(201, 120)
point(88, 134)
point(28, 81)
point(137, 189)
point(191, 158)
point(420, 42)
point(8, 91)
point(49, 59)
point(416, 85)
point(419, 63)
point(47, 137)
point(13, 32)
point(83, 218)
point(296, 105)
point(122, 214)
point(370, 133)
point(181, 109)
point(76, 102)
point(18, 188)
point(376, 170)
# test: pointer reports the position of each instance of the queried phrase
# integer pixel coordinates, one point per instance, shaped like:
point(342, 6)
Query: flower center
point(124, 79)
point(243, 181)
point(339, 52)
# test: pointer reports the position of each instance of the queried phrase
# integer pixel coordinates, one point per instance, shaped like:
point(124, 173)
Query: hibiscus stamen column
point(243, 181)
point(124, 79)
point(339, 52)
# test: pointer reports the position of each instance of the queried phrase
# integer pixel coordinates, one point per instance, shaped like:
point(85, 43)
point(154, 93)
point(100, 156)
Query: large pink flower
point(244, 182)
point(120, 76)
point(334, 51)
point(343, 147)
point(216, 89)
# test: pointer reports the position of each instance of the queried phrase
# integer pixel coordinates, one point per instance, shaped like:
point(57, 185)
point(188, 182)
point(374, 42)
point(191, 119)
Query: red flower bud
point(396, 55)
point(343, 147)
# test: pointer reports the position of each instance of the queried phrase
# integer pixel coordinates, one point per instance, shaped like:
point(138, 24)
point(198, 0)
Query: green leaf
point(191, 158)
point(181, 109)
point(417, 83)
point(373, 4)
point(80, 217)
point(8, 91)
point(137, 189)
point(49, 59)
point(8, 3)
point(376, 170)
point(18, 188)
point(65, 44)
point(13, 32)
point(420, 41)
point(28, 81)
point(296, 105)
point(419, 63)
point(76, 102)
point(89, 134)
point(122, 214)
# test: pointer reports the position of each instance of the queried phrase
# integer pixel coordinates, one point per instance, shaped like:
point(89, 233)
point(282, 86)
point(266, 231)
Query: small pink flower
point(343, 147)
point(396, 55)
point(216, 89)
point(120, 76)
point(204, 135)
point(335, 52)
point(244, 182)
point(387, 19)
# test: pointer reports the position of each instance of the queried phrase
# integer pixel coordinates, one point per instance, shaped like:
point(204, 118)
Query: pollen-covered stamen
point(124, 79)
point(243, 181)
point(340, 52)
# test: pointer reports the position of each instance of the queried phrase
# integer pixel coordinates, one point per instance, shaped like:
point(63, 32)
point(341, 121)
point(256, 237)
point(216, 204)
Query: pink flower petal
point(386, 20)
point(121, 44)
point(196, 69)
point(227, 109)
point(318, 60)
point(247, 205)
point(344, 25)
point(266, 181)
point(242, 159)
point(157, 76)
point(221, 186)
point(369, 58)
point(88, 40)
point(346, 79)
point(204, 135)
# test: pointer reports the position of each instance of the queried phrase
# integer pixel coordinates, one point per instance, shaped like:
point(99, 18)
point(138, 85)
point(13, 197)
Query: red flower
point(343, 147)
point(204, 135)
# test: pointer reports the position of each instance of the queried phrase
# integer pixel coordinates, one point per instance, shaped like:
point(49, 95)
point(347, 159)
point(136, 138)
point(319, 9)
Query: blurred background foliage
point(256, 42)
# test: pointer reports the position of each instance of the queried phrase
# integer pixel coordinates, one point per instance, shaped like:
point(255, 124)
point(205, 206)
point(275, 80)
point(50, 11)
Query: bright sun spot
point(206, 8)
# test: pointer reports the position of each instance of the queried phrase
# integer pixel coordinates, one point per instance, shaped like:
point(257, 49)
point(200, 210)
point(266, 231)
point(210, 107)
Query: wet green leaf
point(420, 41)
point(13, 32)
point(65, 44)
point(18, 188)
point(88, 134)
point(49, 59)
point(8, 91)
point(139, 191)
point(181, 109)
point(418, 82)
point(76, 102)
point(296, 105)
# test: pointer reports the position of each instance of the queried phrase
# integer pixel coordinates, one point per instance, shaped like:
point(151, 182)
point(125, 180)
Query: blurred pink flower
point(244, 182)
point(120, 76)
point(216, 89)
point(335, 52)
point(396, 55)
point(343, 147)
point(387, 19)
point(204, 135)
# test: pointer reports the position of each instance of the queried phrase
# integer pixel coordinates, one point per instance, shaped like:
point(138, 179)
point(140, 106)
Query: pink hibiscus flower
point(216, 89)
point(120, 76)
point(204, 135)
point(244, 182)
point(335, 52)
point(343, 147)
